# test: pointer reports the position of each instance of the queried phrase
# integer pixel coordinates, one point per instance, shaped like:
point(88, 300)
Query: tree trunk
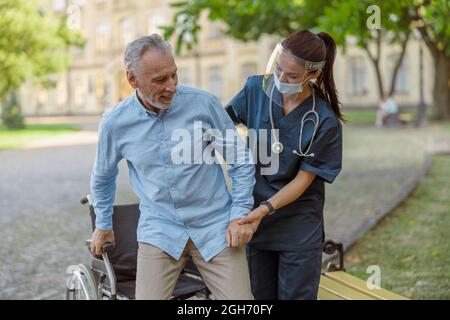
point(398, 64)
point(441, 88)
point(376, 64)
point(421, 106)
point(11, 114)
point(379, 78)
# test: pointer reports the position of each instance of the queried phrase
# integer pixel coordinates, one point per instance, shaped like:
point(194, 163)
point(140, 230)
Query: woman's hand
point(254, 217)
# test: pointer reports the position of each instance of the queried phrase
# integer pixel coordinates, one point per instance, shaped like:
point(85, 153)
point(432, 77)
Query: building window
point(126, 31)
point(42, 97)
point(402, 82)
point(79, 2)
point(59, 5)
point(80, 88)
point(247, 70)
point(61, 92)
point(215, 81)
point(100, 91)
point(102, 37)
point(154, 23)
point(357, 73)
point(125, 89)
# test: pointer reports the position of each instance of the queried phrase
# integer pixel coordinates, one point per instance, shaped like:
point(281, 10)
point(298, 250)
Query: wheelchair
point(112, 276)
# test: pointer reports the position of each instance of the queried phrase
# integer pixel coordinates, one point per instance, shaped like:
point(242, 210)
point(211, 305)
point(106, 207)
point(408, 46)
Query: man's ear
point(132, 79)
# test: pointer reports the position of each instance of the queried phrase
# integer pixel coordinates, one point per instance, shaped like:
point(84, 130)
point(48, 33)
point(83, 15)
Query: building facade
point(96, 78)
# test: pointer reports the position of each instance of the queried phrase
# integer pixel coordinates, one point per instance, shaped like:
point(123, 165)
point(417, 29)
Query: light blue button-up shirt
point(178, 199)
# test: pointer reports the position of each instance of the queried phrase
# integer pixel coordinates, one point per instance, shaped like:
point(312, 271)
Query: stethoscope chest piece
point(277, 147)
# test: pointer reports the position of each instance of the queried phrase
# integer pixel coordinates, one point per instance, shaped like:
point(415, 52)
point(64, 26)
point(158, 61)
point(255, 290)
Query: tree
point(398, 20)
point(430, 18)
point(248, 20)
point(389, 27)
point(32, 45)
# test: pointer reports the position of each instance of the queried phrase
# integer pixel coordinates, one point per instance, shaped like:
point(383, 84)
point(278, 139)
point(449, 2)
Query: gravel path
point(43, 225)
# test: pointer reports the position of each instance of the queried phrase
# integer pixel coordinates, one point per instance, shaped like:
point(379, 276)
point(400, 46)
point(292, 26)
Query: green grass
point(360, 117)
point(366, 117)
point(16, 138)
point(445, 126)
point(412, 244)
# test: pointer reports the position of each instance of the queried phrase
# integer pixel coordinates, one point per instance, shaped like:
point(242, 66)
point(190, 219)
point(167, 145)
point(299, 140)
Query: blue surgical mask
point(287, 88)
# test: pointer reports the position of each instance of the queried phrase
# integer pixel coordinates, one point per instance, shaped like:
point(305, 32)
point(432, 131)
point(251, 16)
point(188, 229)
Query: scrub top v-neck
point(299, 225)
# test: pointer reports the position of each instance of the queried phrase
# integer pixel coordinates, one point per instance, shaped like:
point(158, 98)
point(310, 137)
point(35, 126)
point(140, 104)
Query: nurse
point(296, 102)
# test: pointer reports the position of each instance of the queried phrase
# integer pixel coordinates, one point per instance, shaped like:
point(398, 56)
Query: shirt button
point(163, 141)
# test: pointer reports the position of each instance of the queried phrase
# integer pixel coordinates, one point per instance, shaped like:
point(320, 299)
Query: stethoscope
point(277, 146)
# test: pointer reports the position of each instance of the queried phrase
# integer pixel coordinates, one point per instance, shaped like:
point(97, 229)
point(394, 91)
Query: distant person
point(391, 109)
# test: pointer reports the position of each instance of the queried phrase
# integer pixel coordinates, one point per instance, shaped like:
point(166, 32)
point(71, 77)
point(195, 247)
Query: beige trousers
point(226, 275)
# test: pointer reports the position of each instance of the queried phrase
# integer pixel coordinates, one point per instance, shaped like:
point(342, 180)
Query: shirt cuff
point(103, 223)
point(239, 212)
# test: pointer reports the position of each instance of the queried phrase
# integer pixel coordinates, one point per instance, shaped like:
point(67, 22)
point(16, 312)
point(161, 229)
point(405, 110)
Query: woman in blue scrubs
point(285, 253)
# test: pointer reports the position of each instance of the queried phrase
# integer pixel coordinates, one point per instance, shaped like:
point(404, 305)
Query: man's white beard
point(154, 103)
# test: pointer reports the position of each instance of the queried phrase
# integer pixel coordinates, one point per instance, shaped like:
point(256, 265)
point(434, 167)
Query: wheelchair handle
point(87, 198)
point(106, 247)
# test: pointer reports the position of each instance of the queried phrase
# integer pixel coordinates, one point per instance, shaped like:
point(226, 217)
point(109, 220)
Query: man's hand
point(238, 235)
point(100, 237)
point(254, 218)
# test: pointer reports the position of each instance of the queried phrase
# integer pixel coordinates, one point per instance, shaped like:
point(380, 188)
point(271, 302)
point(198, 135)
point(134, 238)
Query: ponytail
point(325, 81)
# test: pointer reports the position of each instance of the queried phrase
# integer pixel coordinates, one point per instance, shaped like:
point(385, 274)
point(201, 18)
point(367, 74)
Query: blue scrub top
point(299, 225)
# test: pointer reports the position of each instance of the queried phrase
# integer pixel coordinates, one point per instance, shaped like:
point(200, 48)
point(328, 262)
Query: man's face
point(156, 80)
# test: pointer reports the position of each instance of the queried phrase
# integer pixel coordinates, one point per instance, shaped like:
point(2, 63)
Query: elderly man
point(186, 209)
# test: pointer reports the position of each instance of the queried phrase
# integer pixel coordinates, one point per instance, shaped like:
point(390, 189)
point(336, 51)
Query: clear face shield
point(286, 74)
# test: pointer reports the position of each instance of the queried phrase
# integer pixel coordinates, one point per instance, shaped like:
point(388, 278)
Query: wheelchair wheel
point(80, 284)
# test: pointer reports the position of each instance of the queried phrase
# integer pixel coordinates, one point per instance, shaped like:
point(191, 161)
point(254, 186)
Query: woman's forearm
point(293, 190)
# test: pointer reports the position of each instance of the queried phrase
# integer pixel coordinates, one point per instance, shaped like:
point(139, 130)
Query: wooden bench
point(405, 118)
point(336, 284)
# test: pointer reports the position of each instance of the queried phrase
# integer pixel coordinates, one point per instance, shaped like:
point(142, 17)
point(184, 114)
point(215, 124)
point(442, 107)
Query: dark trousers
point(284, 275)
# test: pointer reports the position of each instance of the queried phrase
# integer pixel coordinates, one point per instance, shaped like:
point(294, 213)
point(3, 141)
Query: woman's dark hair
point(318, 47)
